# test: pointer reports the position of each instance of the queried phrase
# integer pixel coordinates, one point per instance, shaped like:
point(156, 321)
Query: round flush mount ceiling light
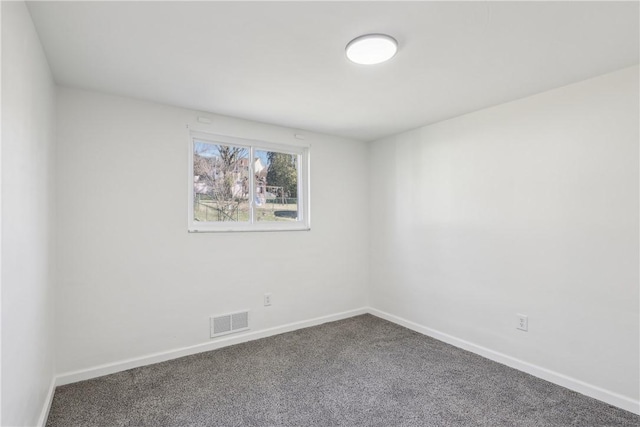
point(371, 49)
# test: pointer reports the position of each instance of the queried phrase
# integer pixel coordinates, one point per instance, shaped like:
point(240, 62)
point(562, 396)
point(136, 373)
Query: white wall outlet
point(267, 299)
point(523, 322)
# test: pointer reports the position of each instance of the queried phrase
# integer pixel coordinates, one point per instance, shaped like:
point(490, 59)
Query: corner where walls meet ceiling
point(284, 62)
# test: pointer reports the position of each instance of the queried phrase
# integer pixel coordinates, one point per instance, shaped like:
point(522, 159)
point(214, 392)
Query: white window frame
point(300, 150)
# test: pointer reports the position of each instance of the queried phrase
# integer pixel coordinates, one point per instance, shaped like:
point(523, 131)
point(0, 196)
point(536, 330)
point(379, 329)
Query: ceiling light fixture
point(371, 49)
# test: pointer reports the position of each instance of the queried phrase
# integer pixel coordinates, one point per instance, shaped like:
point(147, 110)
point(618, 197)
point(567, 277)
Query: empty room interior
point(320, 213)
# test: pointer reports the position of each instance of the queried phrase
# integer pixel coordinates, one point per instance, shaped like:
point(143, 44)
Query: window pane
point(220, 182)
point(276, 186)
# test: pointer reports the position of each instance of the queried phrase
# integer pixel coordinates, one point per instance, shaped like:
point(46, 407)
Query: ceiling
point(284, 62)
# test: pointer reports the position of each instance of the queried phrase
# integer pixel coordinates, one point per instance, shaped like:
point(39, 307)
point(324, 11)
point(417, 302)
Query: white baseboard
point(590, 390)
point(44, 414)
point(123, 365)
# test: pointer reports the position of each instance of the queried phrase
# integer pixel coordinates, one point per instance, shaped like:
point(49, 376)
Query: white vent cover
point(229, 323)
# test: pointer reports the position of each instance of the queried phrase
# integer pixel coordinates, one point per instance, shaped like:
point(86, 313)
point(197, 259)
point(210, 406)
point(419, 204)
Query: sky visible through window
point(242, 185)
point(207, 149)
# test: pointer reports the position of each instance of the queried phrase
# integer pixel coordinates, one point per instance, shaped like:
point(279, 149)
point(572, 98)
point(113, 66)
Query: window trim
point(304, 187)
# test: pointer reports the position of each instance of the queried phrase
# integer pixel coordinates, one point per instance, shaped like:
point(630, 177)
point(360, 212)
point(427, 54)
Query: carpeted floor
point(361, 371)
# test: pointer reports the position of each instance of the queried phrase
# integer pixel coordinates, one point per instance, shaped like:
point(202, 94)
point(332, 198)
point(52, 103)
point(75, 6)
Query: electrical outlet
point(267, 299)
point(523, 322)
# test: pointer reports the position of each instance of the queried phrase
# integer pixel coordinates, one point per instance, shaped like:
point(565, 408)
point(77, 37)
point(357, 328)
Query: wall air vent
point(229, 323)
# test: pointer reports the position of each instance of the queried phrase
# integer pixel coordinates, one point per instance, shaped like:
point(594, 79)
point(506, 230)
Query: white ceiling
point(284, 62)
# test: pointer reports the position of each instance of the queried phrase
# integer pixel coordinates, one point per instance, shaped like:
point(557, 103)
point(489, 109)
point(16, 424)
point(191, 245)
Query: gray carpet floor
point(362, 371)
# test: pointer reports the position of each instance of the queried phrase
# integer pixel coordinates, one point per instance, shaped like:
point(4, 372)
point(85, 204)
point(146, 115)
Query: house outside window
point(243, 185)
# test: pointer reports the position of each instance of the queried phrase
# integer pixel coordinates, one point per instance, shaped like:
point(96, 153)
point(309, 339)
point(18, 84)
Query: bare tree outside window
point(220, 182)
point(245, 185)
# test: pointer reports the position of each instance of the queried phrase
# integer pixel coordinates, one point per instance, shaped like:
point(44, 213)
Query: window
point(241, 185)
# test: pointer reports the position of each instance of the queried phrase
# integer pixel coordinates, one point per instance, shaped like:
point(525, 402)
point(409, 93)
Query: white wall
point(132, 281)
point(28, 135)
point(528, 207)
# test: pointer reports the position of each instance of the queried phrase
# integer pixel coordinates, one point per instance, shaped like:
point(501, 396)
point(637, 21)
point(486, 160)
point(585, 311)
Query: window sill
point(247, 229)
